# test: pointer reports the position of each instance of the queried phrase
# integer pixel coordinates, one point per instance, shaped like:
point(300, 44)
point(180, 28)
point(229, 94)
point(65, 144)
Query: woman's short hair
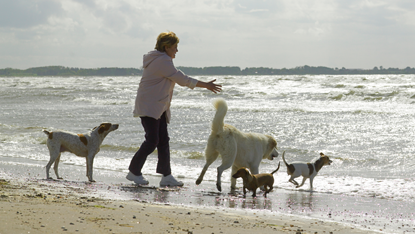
point(166, 39)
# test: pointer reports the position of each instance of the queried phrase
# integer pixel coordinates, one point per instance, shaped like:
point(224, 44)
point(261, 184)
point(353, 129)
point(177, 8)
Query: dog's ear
point(242, 170)
point(104, 127)
point(272, 142)
point(321, 154)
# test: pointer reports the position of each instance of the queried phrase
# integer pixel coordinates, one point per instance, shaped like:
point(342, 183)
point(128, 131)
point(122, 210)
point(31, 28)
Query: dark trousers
point(156, 137)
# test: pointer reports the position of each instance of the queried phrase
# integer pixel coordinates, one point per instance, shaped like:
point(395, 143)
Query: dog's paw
point(198, 181)
point(219, 187)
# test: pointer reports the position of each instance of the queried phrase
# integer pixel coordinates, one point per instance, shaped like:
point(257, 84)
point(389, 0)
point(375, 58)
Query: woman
point(152, 105)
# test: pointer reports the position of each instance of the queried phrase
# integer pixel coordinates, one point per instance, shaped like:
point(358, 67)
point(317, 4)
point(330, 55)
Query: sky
point(246, 33)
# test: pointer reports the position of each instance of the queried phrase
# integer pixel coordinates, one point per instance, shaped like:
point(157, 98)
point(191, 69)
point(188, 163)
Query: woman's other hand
point(210, 86)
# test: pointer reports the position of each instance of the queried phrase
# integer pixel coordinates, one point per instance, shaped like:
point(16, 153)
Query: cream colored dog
point(307, 170)
point(252, 182)
point(237, 149)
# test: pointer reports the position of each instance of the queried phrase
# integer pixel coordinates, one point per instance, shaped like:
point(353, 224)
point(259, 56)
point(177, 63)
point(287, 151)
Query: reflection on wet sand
point(314, 204)
point(300, 200)
point(154, 194)
point(236, 200)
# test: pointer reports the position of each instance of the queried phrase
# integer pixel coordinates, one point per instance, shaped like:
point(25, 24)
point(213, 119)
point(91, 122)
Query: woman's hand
point(210, 86)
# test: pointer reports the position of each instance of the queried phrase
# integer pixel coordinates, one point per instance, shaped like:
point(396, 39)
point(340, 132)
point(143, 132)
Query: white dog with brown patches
point(84, 145)
point(307, 170)
point(237, 149)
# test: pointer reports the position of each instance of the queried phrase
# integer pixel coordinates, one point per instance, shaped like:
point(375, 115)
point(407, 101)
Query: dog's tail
point(50, 134)
point(283, 158)
point(221, 109)
point(277, 168)
point(290, 167)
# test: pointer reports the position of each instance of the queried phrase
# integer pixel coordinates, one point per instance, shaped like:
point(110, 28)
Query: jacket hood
point(151, 56)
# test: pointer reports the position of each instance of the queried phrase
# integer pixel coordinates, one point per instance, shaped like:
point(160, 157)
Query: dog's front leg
point(244, 189)
point(254, 192)
point(89, 166)
point(267, 189)
point(311, 183)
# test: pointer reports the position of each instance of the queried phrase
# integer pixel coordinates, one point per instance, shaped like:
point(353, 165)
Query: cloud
point(277, 33)
point(26, 14)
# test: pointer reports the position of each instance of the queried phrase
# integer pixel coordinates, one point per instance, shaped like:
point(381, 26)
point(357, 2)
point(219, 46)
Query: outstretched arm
point(210, 86)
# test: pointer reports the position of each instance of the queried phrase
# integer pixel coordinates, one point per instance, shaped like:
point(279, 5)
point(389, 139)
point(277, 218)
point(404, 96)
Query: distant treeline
point(195, 71)
point(303, 70)
point(70, 71)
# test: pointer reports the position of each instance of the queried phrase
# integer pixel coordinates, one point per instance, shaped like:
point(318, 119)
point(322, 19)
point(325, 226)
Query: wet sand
point(47, 206)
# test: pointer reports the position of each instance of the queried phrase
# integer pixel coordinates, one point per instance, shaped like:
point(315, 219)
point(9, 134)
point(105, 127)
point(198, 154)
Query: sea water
point(364, 123)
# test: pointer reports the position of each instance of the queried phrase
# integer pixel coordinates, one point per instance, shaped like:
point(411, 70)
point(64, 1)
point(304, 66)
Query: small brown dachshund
point(252, 182)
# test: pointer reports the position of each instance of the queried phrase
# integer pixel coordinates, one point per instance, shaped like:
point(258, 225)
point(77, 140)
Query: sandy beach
point(40, 206)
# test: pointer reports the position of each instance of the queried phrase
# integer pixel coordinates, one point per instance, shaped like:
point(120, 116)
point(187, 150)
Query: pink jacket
point(155, 91)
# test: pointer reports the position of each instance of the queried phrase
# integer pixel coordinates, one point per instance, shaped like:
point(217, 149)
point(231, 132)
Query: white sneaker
point(170, 181)
point(140, 180)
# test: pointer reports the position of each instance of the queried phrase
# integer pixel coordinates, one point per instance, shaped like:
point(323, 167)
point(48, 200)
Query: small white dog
point(307, 170)
point(84, 145)
point(237, 149)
